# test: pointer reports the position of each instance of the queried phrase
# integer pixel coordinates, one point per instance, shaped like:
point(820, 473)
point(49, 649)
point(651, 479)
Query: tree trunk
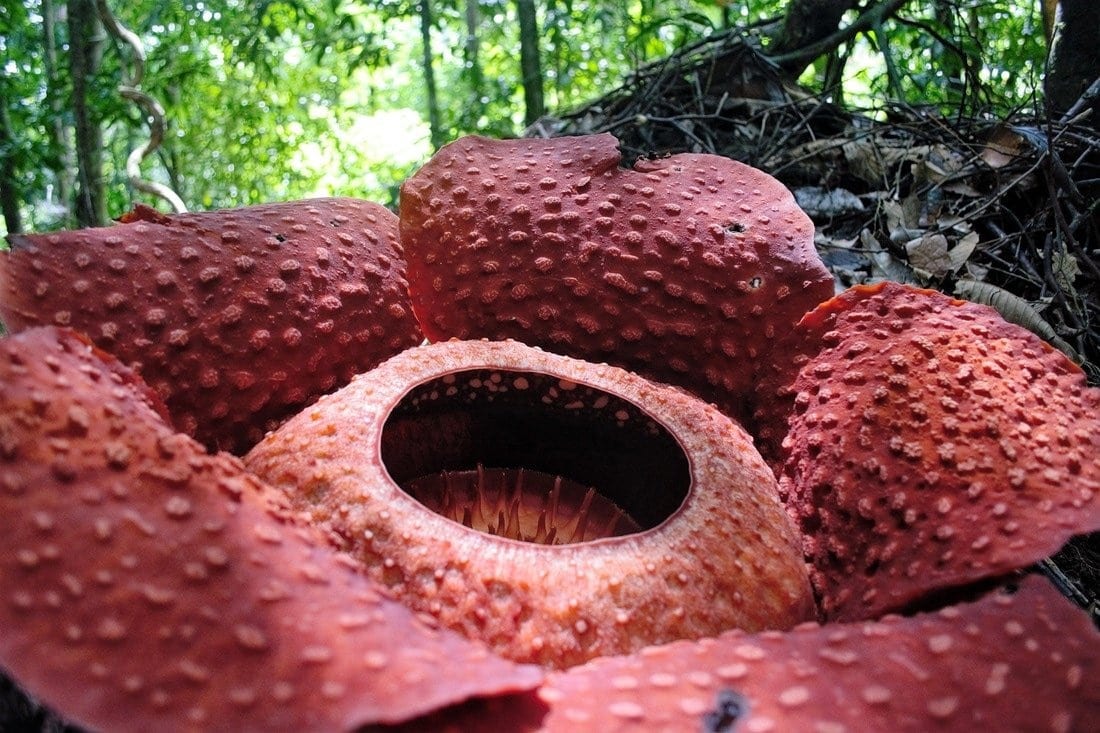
point(435, 124)
point(472, 51)
point(530, 62)
point(1049, 11)
point(169, 152)
point(949, 61)
point(59, 135)
point(805, 23)
point(10, 194)
point(472, 76)
point(85, 47)
point(1074, 62)
point(811, 29)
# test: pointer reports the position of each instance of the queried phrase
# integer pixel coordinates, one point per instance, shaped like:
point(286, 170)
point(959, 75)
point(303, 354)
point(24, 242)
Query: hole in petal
point(532, 457)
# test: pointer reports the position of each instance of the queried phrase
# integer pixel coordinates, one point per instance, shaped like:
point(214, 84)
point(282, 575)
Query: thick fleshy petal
point(683, 269)
point(1021, 662)
point(237, 318)
point(148, 586)
point(931, 445)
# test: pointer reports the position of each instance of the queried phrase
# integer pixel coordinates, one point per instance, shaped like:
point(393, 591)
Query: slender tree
point(472, 55)
point(1074, 63)
point(10, 193)
point(530, 61)
point(85, 50)
point(435, 123)
point(58, 131)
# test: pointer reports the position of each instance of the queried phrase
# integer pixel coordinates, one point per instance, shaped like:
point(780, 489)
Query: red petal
point(236, 318)
point(150, 586)
point(684, 269)
point(932, 445)
point(1008, 662)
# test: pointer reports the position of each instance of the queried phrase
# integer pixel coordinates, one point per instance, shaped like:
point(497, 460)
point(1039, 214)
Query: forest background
point(270, 100)
point(950, 143)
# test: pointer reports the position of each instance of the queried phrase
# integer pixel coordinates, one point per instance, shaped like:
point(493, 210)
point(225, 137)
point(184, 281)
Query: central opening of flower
point(533, 457)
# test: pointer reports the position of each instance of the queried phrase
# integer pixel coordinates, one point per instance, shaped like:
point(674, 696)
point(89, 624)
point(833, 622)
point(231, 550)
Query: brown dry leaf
point(902, 219)
point(865, 160)
point(1003, 147)
point(940, 165)
point(884, 266)
point(892, 210)
point(868, 242)
point(960, 253)
point(962, 187)
point(928, 254)
point(820, 202)
point(912, 207)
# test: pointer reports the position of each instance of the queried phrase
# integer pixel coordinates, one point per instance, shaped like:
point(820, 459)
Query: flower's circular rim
point(748, 572)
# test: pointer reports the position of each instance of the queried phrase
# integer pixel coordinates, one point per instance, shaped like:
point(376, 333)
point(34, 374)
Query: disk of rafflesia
point(683, 269)
point(633, 513)
point(929, 445)
point(149, 586)
point(237, 318)
point(1021, 662)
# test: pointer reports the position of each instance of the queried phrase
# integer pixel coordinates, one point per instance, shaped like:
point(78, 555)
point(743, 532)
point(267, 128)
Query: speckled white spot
point(876, 695)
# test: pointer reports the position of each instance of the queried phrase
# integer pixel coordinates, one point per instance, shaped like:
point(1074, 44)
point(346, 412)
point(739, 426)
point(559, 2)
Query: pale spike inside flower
point(521, 504)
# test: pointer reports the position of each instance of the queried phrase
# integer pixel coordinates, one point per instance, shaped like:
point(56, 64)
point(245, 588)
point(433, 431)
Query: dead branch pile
point(1003, 212)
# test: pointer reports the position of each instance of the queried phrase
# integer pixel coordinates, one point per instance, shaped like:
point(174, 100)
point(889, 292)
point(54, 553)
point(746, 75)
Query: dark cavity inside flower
point(533, 457)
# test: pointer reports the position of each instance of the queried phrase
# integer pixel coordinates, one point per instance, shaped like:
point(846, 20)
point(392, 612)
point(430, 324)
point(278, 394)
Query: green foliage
point(244, 89)
point(282, 99)
point(965, 57)
point(23, 93)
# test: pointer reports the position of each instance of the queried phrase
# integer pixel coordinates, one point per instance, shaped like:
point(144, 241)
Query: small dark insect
point(730, 707)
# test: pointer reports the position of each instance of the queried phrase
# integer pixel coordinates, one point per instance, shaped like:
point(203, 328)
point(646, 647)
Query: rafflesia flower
point(562, 511)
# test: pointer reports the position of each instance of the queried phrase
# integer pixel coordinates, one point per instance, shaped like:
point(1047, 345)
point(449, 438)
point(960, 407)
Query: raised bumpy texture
point(727, 556)
point(150, 586)
point(684, 269)
point(237, 318)
point(929, 444)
